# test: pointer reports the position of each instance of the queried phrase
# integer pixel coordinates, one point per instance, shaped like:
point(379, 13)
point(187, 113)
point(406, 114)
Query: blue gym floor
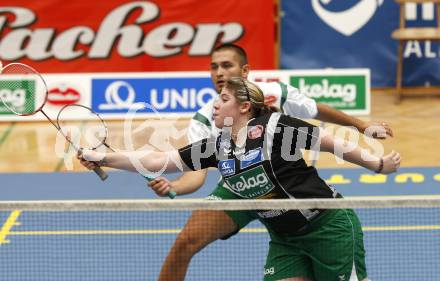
point(62, 246)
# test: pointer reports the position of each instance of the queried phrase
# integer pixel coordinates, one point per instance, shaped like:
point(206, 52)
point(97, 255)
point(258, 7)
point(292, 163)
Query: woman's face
point(226, 109)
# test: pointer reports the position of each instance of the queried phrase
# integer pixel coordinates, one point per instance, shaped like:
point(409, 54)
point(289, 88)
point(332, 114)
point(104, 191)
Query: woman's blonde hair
point(248, 91)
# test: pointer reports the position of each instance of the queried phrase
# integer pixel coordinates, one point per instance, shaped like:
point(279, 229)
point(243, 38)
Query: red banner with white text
point(126, 36)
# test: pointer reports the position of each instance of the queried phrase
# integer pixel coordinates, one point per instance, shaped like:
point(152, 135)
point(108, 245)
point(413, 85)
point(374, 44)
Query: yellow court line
point(175, 231)
point(6, 228)
point(367, 228)
point(253, 230)
point(97, 232)
point(401, 227)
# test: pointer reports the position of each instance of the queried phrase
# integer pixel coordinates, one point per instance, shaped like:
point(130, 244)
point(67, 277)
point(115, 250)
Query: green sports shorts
point(331, 249)
point(241, 218)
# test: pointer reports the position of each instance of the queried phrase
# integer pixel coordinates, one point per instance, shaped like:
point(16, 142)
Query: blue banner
point(145, 95)
point(357, 34)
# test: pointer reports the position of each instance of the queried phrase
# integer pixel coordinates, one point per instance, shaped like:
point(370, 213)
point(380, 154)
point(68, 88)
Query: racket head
point(91, 133)
point(23, 91)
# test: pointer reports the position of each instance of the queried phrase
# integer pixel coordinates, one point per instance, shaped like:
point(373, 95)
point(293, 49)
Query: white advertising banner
point(180, 94)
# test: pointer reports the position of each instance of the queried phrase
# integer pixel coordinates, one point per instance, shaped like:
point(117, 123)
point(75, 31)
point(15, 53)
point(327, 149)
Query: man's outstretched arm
point(379, 130)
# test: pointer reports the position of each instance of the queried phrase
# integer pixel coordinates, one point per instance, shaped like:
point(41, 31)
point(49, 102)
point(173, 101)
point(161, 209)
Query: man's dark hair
point(237, 49)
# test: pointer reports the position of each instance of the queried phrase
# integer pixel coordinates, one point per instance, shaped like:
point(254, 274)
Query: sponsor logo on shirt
point(255, 132)
point(239, 151)
point(227, 167)
point(269, 271)
point(271, 213)
point(251, 183)
point(213, 197)
point(250, 158)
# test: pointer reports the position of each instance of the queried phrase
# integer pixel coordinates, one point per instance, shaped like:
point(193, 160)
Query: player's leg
point(202, 228)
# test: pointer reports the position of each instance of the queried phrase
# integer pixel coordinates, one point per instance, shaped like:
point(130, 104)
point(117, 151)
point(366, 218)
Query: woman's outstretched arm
point(353, 153)
point(136, 161)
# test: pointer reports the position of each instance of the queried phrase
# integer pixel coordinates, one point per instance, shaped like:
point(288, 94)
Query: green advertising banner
point(17, 95)
point(342, 92)
point(347, 90)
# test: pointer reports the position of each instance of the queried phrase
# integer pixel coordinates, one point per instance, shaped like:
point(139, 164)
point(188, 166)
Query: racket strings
point(90, 134)
point(22, 90)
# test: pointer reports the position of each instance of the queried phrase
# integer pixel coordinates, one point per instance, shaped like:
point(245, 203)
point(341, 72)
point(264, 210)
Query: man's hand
point(377, 130)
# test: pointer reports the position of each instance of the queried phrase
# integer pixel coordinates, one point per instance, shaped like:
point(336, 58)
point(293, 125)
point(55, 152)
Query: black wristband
point(379, 170)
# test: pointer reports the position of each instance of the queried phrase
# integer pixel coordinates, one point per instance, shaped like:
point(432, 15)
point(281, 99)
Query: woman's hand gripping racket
point(24, 92)
point(94, 133)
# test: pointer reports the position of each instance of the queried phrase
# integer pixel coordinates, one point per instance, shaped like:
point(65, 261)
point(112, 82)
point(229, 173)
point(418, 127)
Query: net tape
point(204, 204)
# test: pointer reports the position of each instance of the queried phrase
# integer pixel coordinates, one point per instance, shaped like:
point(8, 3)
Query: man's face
point(224, 65)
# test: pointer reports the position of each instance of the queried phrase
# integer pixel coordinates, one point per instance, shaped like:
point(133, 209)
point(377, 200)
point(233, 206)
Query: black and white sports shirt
point(269, 165)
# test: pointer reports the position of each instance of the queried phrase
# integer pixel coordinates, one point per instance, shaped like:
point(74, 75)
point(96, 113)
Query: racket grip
point(171, 194)
point(100, 172)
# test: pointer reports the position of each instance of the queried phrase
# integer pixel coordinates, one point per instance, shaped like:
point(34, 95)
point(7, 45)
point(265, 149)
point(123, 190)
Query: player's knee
point(189, 243)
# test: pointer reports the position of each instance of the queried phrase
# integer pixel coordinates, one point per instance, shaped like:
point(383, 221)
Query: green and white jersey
point(278, 94)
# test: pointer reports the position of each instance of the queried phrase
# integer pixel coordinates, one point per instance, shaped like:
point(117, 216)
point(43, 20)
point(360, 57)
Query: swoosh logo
point(349, 21)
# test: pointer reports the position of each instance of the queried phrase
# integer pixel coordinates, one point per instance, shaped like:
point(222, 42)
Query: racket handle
point(100, 172)
point(171, 194)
